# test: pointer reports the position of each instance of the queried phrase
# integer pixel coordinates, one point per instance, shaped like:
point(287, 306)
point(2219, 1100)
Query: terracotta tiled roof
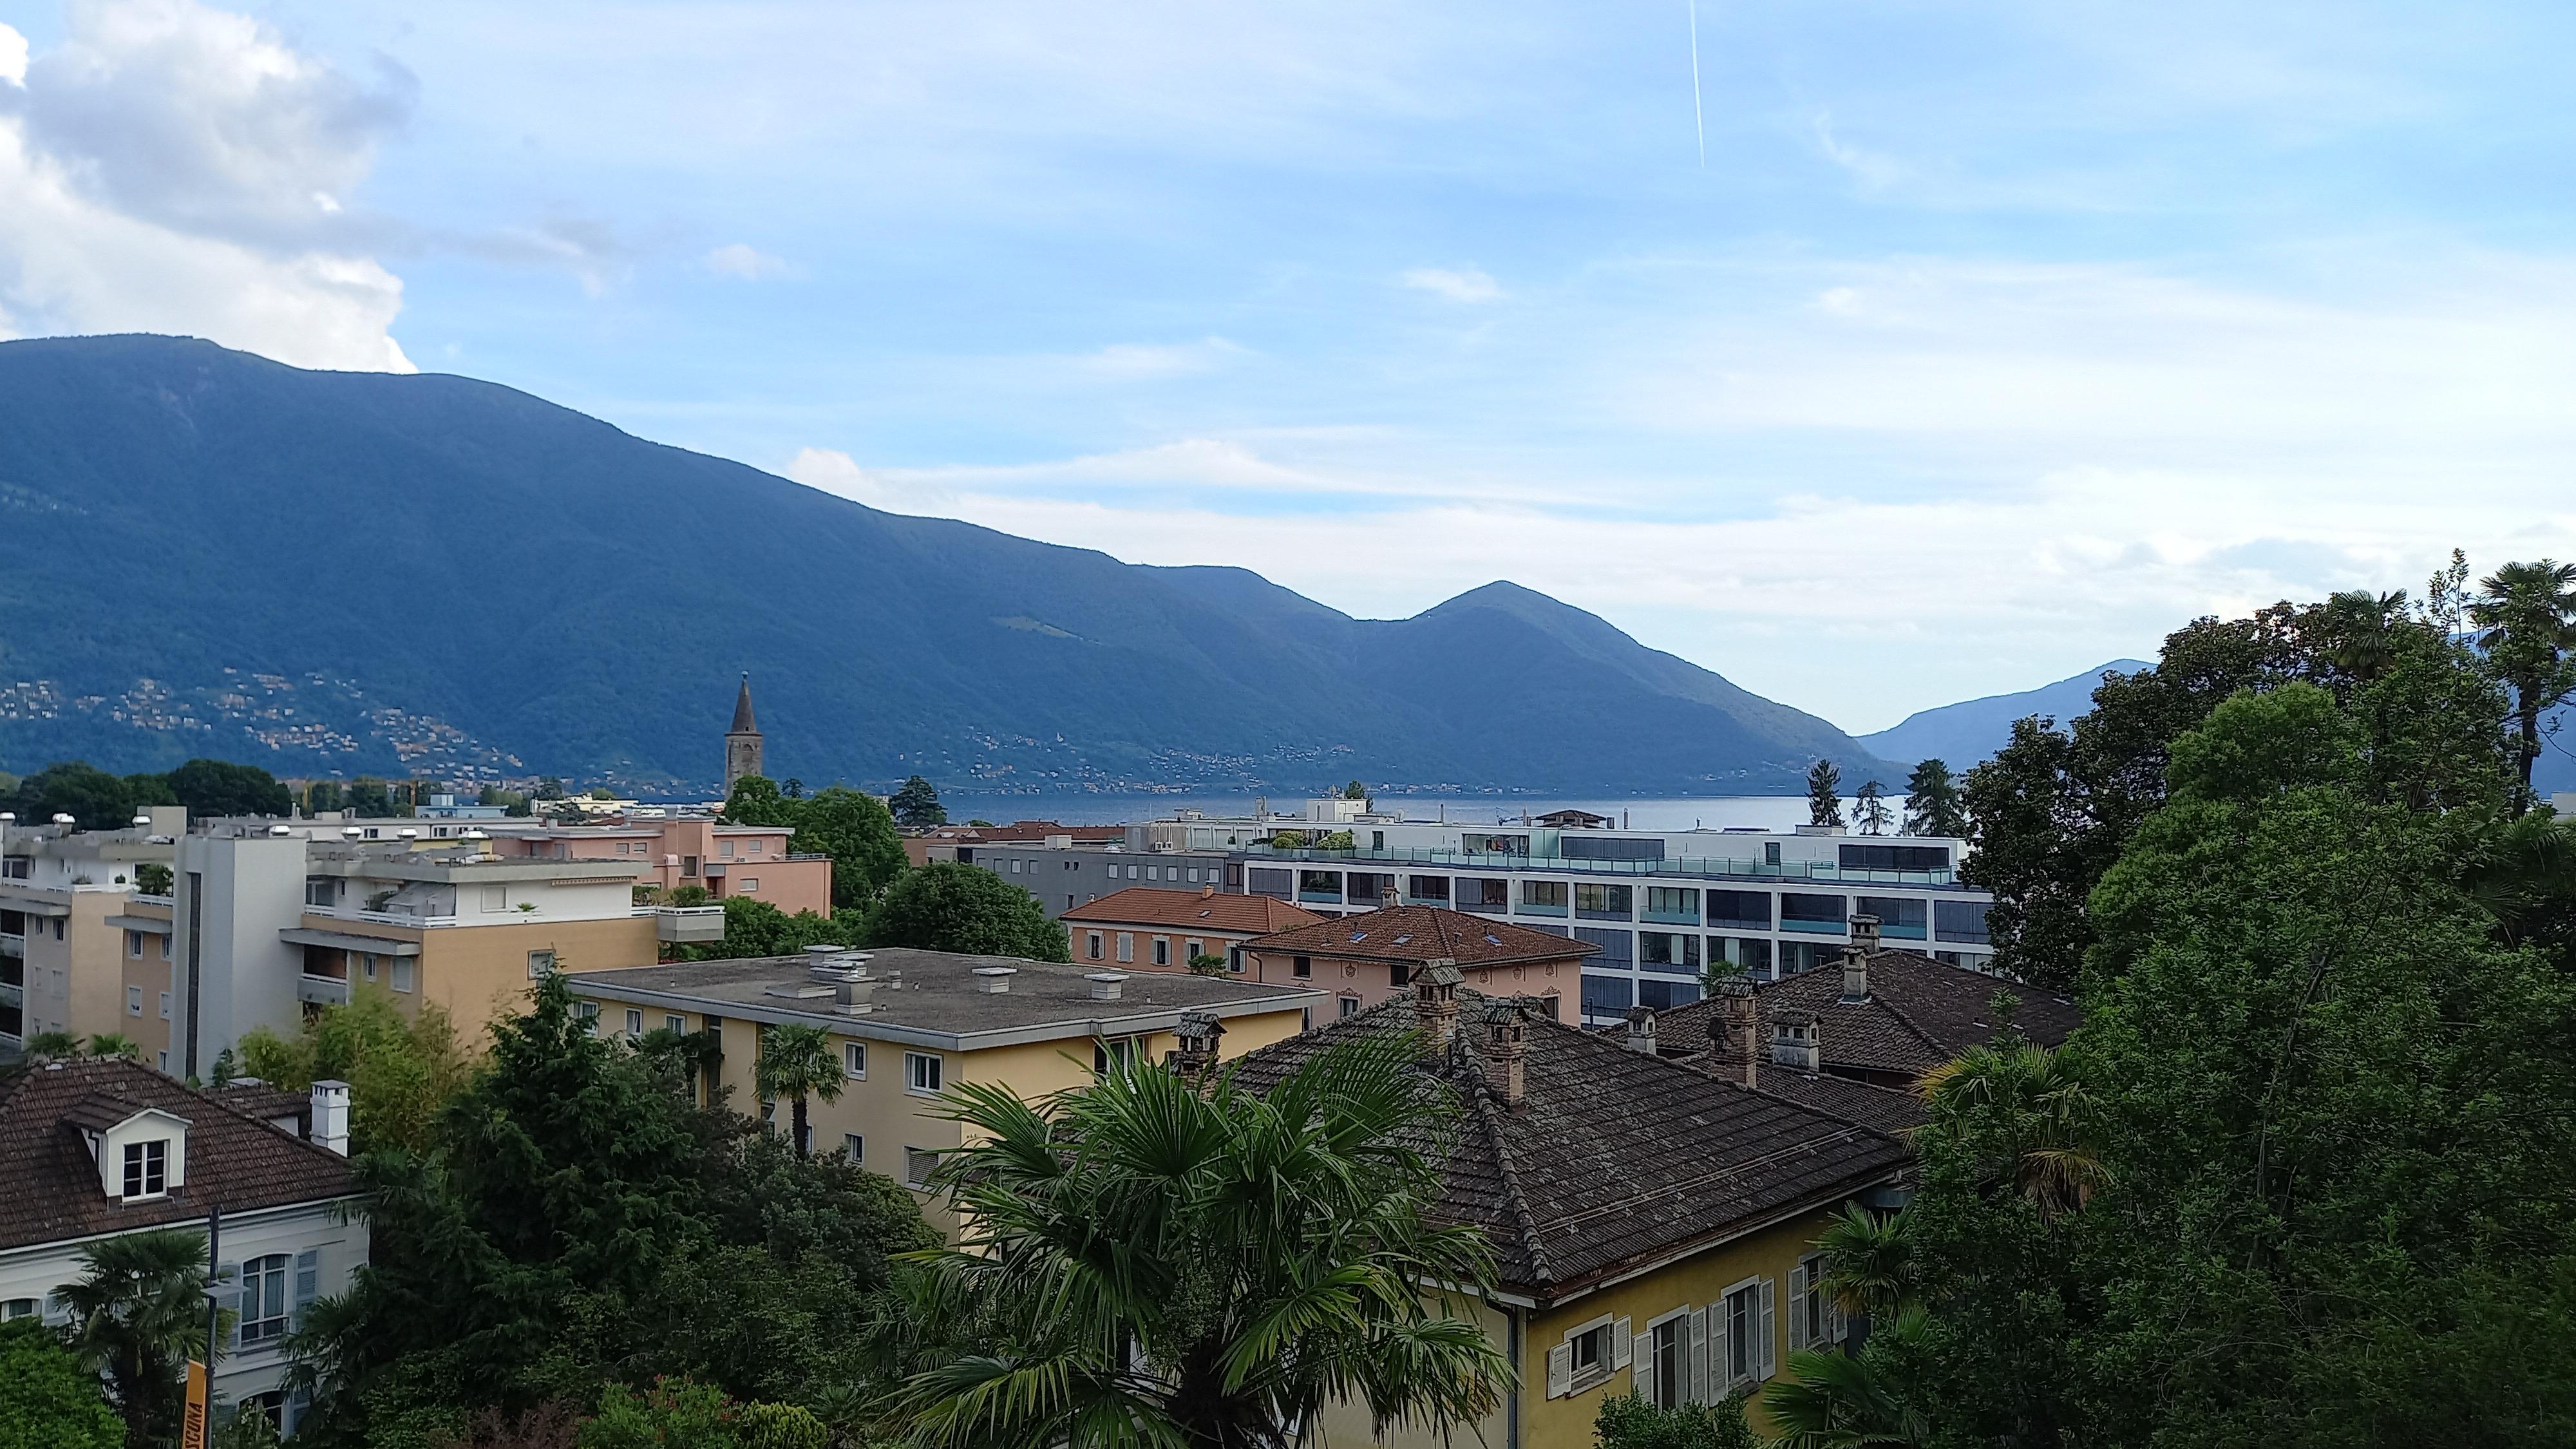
point(1614, 1159)
point(1191, 910)
point(49, 1185)
point(1920, 1013)
point(1424, 933)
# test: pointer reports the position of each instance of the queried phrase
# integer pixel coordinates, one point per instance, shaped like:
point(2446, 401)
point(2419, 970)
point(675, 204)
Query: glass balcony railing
point(1812, 928)
point(1695, 867)
point(1532, 908)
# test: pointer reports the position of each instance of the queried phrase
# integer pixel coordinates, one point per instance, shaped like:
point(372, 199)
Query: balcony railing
point(388, 918)
point(322, 990)
point(1709, 867)
point(140, 899)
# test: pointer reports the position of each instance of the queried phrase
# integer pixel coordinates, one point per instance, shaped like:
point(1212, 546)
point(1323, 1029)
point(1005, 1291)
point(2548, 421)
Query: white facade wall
point(229, 971)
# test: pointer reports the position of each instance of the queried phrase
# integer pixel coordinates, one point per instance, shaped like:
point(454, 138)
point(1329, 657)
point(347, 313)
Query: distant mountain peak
point(1969, 732)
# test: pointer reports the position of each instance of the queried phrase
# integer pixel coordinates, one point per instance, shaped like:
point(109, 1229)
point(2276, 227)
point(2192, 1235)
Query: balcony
point(1689, 867)
point(383, 918)
point(321, 990)
point(1811, 928)
point(1534, 908)
point(1670, 918)
point(686, 925)
point(13, 945)
point(12, 995)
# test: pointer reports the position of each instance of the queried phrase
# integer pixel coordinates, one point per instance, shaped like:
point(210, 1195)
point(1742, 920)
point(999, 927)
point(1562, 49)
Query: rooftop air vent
point(994, 980)
point(1107, 985)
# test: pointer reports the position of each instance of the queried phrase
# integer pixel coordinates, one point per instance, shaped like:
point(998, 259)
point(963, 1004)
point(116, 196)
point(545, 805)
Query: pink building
point(728, 860)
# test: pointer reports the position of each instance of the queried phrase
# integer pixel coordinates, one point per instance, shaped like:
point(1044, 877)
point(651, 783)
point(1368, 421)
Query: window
point(1669, 952)
point(496, 898)
point(1117, 1052)
point(147, 1168)
point(922, 1072)
point(1591, 1349)
point(634, 1022)
point(134, 1001)
point(1746, 1313)
point(679, 1024)
point(1126, 946)
point(1895, 857)
point(17, 1308)
point(1811, 1309)
point(1350, 1006)
point(1544, 897)
point(1598, 902)
point(269, 1408)
point(1301, 967)
point(1399, 973)
point(1770, 852)
point(1587, 1357)
point(856, 1146)
point(688, 865)
point(1015, 867)
point(918, 1164)
point(587, 1012)
point(402, 974)
point(1193, 950)
point(1667, 1360)
point(1740, 908)
point(1191, 875)
point(1162, 950)
point(725, 849)
point(854, 1062)
point(1091, 944)
point(367, 964)
point(1816, 915)
point(749, 884)
point(134, 944)
point(165, 1006)
point(1608, 995)
point(1899, 917)
point(541, 964)
point(1963, 921)
point(263, 1299)
point(1427, 887)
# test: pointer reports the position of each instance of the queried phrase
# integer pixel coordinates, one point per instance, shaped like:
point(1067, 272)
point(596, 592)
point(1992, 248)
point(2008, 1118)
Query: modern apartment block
point(1660, 906)
point(70, 956)
point(268, 923)
point(1064, 875)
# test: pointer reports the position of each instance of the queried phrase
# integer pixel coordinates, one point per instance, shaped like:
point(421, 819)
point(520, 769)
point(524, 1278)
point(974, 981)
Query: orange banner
point(192, 1426)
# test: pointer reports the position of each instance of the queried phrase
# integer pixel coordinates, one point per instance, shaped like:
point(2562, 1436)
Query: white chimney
point(994, 980)
point(1641, 1029)
point(1107, 985)
point(331, 1116)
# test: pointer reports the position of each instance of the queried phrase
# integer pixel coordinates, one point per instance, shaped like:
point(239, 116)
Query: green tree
point(218, 787)
point(1355, 791)
point(402, 1070)
point(47, 1399)
point(153, 878)
point(856, 830)
point(945, 906)
point(1150, 1263)
point(1207, 963)
point(1629, 1422)
point(1869, 808)
point(754, 927)
point(1932, 804)
point(2527, 615)
point(1841, 1401)
point(370, 798)
point(917, 805)
point(138, 1315)
point(756, 801)
point(114, 1044)
point(796, 1062)
point(1824, 793)
point(53, 1046)
point(95, 799)
point(1869, 1262)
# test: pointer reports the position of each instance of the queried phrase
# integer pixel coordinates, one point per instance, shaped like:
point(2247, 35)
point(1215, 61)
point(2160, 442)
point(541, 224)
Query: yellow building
point(907, 1025)
point(1652, 1224)
point(67, 900)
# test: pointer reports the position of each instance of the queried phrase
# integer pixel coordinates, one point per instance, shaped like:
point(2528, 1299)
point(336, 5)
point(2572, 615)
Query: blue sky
point(1991, 340)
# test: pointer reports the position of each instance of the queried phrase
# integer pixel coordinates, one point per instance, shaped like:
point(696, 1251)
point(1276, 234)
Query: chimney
point(1107, 985)
point(1197, 1035)
point(330, 1116)
point(1506, 1050)
point(1435, 1001)
point(1797, 1040)
point(994, 980)
point(1732, 1031)
point(1864, 944)
point(1386, 897)
point(1641, 1029)
point(1206, 891)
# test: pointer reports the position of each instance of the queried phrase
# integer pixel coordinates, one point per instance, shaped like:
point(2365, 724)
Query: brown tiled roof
point(1920, 1013)
point(1614, 1159)
point(49, 1186)
point(1192, 910)
point(1425, 933)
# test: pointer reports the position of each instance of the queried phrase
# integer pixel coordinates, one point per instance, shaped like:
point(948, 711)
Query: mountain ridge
point(368, 572)
point(1969, 732)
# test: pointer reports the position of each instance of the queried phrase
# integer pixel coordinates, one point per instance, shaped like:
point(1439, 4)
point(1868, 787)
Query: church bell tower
point(742, 742)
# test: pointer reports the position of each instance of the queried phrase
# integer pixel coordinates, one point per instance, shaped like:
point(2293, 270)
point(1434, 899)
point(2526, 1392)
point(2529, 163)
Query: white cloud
point(1137, 361)
point(1464, 284)
point(162, 170)
point(738, 259)
point(13, 56)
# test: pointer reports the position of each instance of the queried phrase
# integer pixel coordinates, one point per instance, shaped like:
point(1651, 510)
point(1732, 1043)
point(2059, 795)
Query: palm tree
point(797, 1062)
point(2027, 1108)
point(53, 1046)
point(1869, 1262)
point(139, 1315)
point(115, 1044)
point(2528, 613)
point(2363, 629)
point(1834, 1401)
point(1147, 1263)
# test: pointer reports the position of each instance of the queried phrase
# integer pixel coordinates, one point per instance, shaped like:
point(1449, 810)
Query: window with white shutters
point(1741, 1359)
point(1770, 1335)
point(1699, 1393)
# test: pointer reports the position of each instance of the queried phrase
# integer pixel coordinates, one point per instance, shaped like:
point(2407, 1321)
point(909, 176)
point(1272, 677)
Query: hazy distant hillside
point(209, 553)
point(1967, 733)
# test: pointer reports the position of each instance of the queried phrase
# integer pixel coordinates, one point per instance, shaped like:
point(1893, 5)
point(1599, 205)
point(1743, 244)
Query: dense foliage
point(98, 800)
point(576, 1220)
point(1629, 1422)
point(138, 1314)
point(853, 828)
point(48, 1399)
point(916, 805)
point(945, 906)
point(401, 1069)
point(2299, 1179)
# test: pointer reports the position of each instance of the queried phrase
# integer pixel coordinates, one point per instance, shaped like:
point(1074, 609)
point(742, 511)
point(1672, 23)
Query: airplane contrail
point(1698, 123)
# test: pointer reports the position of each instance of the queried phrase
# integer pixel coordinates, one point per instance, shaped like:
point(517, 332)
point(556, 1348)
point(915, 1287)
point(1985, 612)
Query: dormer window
point(147, 1168)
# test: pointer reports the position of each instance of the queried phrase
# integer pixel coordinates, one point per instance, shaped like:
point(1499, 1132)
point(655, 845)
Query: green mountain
point(206, 553)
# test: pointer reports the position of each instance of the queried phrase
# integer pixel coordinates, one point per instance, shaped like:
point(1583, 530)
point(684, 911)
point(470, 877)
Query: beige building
point(66, 898)
point(907, 1025)
point(1653, 1225)
point(1147, 928)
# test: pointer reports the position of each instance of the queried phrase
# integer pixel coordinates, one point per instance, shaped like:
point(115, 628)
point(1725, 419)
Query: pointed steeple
point(742, 720)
